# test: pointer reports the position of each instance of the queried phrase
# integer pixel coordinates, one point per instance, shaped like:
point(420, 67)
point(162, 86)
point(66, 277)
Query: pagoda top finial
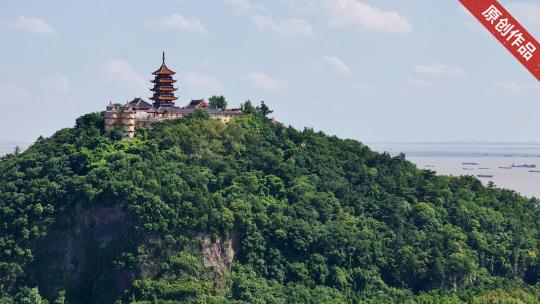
point(163, 70)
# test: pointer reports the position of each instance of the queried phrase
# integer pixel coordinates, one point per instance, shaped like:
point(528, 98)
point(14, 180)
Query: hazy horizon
point(491, 159)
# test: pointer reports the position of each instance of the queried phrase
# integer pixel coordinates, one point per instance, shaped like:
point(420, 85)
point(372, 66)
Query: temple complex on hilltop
point(139, 113)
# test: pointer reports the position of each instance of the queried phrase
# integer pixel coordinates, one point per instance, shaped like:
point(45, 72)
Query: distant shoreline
point(479, 143)
point(494, 161)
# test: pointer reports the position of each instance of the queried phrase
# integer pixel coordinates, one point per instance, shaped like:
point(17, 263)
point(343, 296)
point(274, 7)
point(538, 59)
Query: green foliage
point(263, 109)
point(311, 218)
point(61, 299)
point(248, 107)
point(217, 102)
point(29, 296)
point(116, 133)
point(90, 121)
point(200, 114)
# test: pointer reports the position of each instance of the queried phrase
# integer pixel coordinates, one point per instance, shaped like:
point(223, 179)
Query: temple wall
point(128, 122)
point(127, 119)
point(112, 119)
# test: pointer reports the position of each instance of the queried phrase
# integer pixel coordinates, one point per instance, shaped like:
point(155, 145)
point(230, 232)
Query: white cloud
point(334, 63)
point(304, 6)
point(420, 84)
point(265, 82)
point(205, 65)
point(245, 6)
point(200, 81)
point(290, 27)
point(413, 86)
point(179, 22)
point(31, 25)
point(353, 13)
point(528, 14)
point(511, 89)
point(439, 70)
point(121, 73)
point(56, 82)
point(11, 91)
point(363, 87)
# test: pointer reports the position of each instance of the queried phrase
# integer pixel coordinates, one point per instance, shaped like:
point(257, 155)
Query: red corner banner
point(508, 31)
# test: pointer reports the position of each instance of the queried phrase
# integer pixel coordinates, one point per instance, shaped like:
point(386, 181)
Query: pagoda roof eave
point(163, 98)
point(163, 89)
point(163, 81)
point(163, 70)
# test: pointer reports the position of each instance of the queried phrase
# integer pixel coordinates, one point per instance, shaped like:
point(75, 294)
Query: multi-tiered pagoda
point(139, 113)
point(163, 86)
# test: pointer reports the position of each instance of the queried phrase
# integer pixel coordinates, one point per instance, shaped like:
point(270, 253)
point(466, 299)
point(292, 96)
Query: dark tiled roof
point(164, 70)
point(233, 112)
point(213, 111)
point(175, 110)
point(196, 103)
point(163, 88)
point(185, 111)
point(163, 80)
point(158, 97)
point(139, 103)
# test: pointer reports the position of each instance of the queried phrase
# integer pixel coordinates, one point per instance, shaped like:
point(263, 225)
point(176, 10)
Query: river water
point(448, 159)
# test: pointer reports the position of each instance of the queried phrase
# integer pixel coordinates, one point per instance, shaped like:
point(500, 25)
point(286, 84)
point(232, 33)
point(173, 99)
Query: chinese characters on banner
point(508, 31)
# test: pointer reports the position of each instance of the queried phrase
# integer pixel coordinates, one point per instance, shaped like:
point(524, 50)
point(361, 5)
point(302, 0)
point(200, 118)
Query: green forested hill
point(195, 211)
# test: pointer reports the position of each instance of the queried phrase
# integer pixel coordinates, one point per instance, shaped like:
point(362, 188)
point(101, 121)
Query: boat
point(468, 169)
point(515, 165)
point(507, 168)
point(484, 176)
point(534, 171)
point(470, 164)
point(483, 168)
point(430, 166)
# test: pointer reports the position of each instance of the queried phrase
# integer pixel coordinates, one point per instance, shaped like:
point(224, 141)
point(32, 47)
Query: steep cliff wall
point(84, 252)
point(79, 253)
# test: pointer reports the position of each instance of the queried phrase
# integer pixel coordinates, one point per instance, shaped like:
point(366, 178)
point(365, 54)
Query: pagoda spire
point(163, 86)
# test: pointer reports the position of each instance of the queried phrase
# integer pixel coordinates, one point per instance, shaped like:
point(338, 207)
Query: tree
point(218, 102)
point(338, 278)
point(116, 134)
point(247, 107)
point(95, 120)
point(29, 296)
point(313, 219)
point(61, 299)
point(264, 109)
point(199, 114)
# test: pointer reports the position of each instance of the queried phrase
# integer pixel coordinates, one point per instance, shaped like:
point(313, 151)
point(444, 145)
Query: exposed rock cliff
point(78, 247)
point(217, 255)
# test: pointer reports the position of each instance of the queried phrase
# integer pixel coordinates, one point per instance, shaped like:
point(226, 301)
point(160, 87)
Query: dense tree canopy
point(311, 218)
point(217, 102)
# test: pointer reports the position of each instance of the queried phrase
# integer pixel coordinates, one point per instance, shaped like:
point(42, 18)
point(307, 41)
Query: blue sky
point(385, 70)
